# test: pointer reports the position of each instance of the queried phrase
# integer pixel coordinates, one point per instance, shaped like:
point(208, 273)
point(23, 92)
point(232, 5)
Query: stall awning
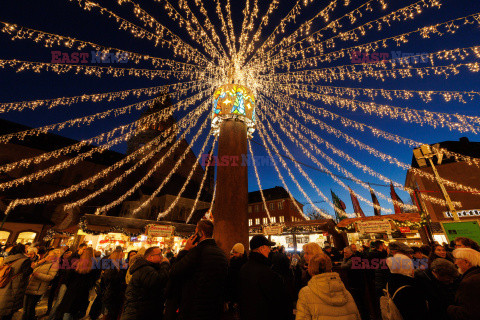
point(402, 217)
point(99, 223)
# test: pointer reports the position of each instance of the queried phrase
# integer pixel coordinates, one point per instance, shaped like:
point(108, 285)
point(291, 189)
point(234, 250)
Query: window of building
point(280, 205)
point(26, 237)
point(257, 221)
point(249, 222)
point(4, 236)
point(274, 219)
point(249, 209)
point(262, 207)
point(271, 206)
point(281, 219)
point(265, 221)
point(256, 208)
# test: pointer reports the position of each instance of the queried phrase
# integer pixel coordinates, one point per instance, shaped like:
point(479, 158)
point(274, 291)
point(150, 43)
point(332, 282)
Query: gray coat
point(11, 296)
point(42, 275)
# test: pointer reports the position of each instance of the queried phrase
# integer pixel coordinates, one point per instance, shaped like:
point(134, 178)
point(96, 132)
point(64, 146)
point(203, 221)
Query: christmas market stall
point(405, 227)
point(104, 233)
point(293, 235)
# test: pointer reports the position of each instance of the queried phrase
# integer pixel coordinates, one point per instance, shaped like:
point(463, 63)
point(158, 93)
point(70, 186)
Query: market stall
point(405, 227)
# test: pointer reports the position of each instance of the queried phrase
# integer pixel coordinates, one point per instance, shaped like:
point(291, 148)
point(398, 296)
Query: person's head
point(444, 270)
point(237, 251)
point(347, 252)
point(169, 255)
point(153, 255)
point(311, 249)
point(327, 247)
point(260, 244)
point(353, 247)
point(41, 251)
point(426, 249)
point(417, 253)
point(16, 249)
point(398, 247)
point(319, 263)
point(131, 254)
point(463, 242)
point(466, 258)
point(439, 251)
point(81, 248)
point(401, 264)
point(67, 254)
point(32, 252)
point(116, 258)
point(85, 262)
point(204, 229)
point(379, 245)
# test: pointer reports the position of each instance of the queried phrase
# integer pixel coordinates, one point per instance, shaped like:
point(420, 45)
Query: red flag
point(376, 204)
point(356, 205)
point(397, 202)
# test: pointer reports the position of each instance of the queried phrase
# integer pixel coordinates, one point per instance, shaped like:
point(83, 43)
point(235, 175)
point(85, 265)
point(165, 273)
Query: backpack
point(6, 275)
point(387, 306)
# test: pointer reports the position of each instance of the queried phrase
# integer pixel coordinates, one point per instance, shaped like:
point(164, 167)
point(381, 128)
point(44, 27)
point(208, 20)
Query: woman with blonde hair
point(80, 279)
point(325, 296)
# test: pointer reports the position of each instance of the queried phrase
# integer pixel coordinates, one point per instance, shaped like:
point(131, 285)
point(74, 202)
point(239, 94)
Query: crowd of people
point(428, 282)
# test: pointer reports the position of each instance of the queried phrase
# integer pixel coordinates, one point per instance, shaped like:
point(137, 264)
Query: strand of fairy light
point(249, 27)
point(73, 188)
point(305, 28)
point(371, 150)
point(223, 27)
point(178, 45)
point(360, 166)
point(284, 164)
point(208, 167)
point(157, 165)
point(291, 15)
point(180, 193)
point(143, 122)
point(187, 123)
point(99, 97)
point(90, 118)
point(315, 160)
point(175, 168)
point(61, 68)
point(294, 201)
point(183, 4)
point(258, 181)
point(70, 162)
point(147, 19)
point(304, 174)
point(340, 153)
point(424, 32)
point(50, 39)
point(402, 14)
point(422, 117)
point(230, 26)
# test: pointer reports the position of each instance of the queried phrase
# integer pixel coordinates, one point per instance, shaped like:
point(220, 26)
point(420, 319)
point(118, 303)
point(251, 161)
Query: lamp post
point(233, 120)
point(428, 154)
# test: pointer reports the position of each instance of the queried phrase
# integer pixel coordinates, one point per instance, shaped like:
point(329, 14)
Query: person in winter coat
point(11, 296)
point(439, 284)
point(439, 251)
point(202, 268)
point(263, 294)
point(44, 270)
point(410, 300)
point(237, 260)
point(145, 297)
point(325, 296)
point(131, 262)
point(464, 242)
point(113, 286)
point(79, 281)
point(467, 298)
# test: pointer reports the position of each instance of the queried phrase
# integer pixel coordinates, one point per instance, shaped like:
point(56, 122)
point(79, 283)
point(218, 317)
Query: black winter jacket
point(467, 298)
point(263, 294)
point(203, 273)
point(233, 279)
point(113, 288)
point(145, 296)
point(410, 301)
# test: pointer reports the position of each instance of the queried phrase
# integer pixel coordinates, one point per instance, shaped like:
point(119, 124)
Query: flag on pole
point(339, 206)
point(397, 202)
point(356, 205)
point(376, 204)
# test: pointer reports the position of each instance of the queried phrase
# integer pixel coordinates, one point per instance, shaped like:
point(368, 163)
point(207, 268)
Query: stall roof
point(131, 223)
point(412, 217)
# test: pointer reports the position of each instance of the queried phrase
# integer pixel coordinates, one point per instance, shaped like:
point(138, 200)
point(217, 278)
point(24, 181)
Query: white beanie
point(238, 248)
point(401, 264)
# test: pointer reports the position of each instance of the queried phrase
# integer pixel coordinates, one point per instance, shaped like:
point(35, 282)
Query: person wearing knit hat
point(237, 260)
point(237, 250)
point(467, 299)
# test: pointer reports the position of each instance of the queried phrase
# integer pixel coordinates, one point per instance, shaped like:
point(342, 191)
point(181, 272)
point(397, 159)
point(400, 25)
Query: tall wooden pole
point(231, 199)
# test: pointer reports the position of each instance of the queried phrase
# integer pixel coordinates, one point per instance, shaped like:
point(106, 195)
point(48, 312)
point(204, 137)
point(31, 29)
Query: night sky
point(68, 19)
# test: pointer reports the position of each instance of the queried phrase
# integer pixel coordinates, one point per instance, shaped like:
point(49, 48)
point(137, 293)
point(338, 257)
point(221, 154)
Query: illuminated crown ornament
point(233, 101)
